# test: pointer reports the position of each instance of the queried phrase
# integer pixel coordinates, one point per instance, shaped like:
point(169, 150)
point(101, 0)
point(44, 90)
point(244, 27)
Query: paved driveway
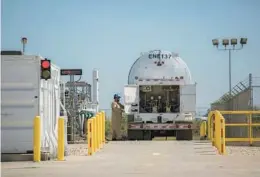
point(143, 159)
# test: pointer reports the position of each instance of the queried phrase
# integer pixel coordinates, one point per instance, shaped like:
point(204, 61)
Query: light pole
point(229, 45)
point(24, 42)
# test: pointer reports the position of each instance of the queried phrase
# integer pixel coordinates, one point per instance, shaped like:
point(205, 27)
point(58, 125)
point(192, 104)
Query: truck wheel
point(147, 135)
point(135, 135)
point(178, 135)
point(188, 135)
point(184, 135)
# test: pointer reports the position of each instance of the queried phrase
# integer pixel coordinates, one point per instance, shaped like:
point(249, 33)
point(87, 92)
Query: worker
point(117, 110)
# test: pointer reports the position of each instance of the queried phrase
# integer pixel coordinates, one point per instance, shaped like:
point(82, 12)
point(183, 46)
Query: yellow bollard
point(61, 139)
point(90, 136)
point(203, 129)
point(213, 128)
point(103, 127)
point(93, 138)
point(223, 136)
point(98, 127)
point(210, 126)
point(218, 134)
point(100, 130)
point(97, 145)
point(95, 134)
point(37, 139)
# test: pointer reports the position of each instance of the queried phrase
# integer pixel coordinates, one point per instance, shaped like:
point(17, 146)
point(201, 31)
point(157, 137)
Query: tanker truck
point(160, 97)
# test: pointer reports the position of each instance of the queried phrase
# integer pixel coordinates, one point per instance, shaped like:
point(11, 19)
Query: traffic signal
point(45, 69)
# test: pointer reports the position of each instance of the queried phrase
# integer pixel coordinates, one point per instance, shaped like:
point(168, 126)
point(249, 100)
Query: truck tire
point(184, 135)
point(135, 135)
point(147, 135)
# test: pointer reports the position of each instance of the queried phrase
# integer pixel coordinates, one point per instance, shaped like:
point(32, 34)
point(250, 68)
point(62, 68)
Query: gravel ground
point(77, 150)
point(243, 150)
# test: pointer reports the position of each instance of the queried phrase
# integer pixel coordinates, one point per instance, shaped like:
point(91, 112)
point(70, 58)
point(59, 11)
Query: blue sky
point(110, 35)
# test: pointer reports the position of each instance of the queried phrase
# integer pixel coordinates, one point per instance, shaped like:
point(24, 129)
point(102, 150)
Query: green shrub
point(108, 128)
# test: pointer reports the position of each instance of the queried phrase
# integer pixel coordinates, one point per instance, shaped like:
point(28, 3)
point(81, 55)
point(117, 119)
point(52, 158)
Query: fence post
point(89, 135)
point(61, 139)
point(37, 139)
point(250, 129)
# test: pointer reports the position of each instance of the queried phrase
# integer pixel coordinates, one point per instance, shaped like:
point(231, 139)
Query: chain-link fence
point(244, 96)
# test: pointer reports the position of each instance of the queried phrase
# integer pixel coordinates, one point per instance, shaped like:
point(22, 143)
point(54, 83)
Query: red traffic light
point(45, 64)
point(46, 69)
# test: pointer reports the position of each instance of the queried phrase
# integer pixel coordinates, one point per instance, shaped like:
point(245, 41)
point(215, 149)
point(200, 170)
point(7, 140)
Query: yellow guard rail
point(216, 128)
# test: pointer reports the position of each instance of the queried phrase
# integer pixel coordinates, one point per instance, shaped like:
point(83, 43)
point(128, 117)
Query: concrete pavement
point(143, 159)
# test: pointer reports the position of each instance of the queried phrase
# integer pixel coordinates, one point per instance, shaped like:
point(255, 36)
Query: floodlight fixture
point(225, 42)
point(215, 42)
point(243, 41)
point(233, 41)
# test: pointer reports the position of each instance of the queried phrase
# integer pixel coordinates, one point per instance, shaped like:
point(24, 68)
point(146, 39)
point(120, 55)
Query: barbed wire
point(239, 88)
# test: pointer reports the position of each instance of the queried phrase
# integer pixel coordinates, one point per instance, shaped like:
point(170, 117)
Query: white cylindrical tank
point(159, 64)
point(95, 92)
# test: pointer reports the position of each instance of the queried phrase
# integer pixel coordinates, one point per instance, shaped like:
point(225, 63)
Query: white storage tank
point(158, 64)
point(24, 96)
